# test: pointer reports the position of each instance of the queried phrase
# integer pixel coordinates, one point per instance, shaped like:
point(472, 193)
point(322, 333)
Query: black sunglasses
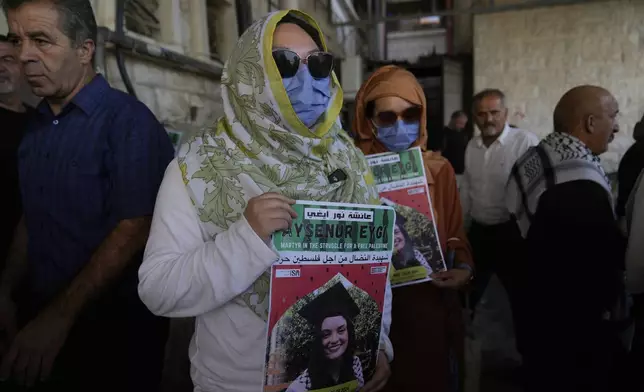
point(389, 117)
point(320, 64)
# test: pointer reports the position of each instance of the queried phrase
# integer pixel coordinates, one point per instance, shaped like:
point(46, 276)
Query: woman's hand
point(269, 213)
point(454, 278)
point(380, 376)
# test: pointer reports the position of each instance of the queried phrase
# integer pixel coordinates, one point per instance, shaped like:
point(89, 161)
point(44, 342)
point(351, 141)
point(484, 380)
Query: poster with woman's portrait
point(327, 297)
point(417, 253)
point(402, 184)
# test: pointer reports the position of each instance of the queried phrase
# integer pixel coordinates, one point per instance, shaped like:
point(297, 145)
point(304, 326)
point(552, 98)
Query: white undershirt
point(185, 273)
point(487, 170)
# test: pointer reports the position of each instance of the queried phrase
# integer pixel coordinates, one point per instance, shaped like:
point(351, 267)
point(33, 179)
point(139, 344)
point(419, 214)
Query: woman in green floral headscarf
point(233, 185)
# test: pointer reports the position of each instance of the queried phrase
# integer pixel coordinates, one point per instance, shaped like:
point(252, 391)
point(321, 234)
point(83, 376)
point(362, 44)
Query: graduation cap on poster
point(336, 301)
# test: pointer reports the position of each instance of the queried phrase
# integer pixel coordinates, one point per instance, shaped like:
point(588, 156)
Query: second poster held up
point(402, 182)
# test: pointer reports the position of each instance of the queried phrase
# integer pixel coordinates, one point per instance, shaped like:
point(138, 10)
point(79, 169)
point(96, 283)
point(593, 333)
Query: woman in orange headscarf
point(427, 330)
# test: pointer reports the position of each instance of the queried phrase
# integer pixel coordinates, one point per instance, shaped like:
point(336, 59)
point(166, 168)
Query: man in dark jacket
point(574, 249)
point(13, 117)
point(630, 167)
point(455, 139)
point(629, 171)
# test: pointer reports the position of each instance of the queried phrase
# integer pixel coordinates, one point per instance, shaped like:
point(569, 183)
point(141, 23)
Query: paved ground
point(493, 326)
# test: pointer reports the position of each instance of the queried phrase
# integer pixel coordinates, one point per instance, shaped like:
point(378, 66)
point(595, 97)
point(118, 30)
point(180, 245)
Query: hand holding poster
point(401, 180)
point(327, 297)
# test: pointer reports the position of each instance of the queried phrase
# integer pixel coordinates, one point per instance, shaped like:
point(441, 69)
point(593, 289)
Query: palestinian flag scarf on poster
point(402, 182)
point(327, 297)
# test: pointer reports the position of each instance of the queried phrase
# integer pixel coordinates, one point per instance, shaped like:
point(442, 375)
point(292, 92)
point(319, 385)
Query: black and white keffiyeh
point(558, 159)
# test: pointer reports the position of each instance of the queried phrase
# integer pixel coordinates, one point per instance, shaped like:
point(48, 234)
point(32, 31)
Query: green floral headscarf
point(260, 145)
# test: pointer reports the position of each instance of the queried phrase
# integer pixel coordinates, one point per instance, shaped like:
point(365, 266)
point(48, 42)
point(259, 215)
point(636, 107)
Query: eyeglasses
point(389, 117)
point(320, 64)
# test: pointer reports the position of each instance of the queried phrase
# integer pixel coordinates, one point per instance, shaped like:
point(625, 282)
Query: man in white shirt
point(489, 158)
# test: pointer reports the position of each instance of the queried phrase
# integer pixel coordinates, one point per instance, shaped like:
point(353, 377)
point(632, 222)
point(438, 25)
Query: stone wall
point(410, 45)
point(173, 96)
point(537, 55)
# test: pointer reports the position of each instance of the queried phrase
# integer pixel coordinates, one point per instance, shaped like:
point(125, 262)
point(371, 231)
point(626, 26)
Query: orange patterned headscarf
point(388, 81)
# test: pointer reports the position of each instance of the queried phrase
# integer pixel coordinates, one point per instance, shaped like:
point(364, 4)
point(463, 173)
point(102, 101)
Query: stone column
point(462, 34)
point(289, 4)
point(226, 25)
point(170, 21)
point(199, 46)
point(379, 31)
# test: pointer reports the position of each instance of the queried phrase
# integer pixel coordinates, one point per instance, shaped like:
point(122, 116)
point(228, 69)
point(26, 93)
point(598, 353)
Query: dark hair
point(458, 113)
point(406, 257)
point(3, 38)
point(638, 131)
point(318, 367)
point(490, 92)
point(77, 17)
point(310, 30)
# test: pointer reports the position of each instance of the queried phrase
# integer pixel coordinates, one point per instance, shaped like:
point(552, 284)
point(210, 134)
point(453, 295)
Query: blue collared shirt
point(100, 161)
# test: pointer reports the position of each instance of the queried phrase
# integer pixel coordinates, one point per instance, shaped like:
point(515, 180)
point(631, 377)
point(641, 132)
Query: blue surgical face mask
point(399, 136)
point(309, 96)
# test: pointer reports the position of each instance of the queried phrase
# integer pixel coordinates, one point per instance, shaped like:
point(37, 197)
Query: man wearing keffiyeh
point(574, 250)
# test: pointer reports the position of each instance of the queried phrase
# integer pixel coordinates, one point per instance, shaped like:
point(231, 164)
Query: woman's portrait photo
point(332, 360)
point(415, 241)
point(405, 255)
point(328, 338)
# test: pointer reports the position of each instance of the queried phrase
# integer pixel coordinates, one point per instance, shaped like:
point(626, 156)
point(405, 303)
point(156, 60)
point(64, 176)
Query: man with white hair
point(493, 234)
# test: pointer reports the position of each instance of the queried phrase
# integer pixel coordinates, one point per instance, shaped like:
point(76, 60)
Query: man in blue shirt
point(90, 165)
